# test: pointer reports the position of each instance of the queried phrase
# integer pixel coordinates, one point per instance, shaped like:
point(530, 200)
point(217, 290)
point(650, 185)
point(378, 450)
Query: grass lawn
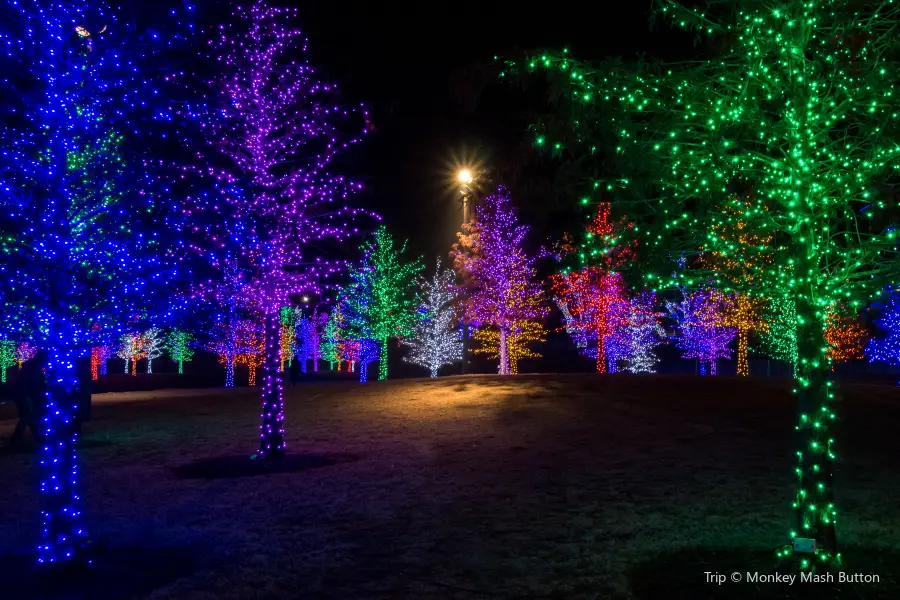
point(534, 486)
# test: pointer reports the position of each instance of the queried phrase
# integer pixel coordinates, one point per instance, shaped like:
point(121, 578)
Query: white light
point(465, 176)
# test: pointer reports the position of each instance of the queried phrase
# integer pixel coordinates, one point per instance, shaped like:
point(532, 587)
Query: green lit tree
point(381, 301)
point(178, 344)
point(331, 338)
point(793, 125)
point(7, 357)
point(780, 341)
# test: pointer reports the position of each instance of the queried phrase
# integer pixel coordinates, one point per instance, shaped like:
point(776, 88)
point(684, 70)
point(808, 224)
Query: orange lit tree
point(845, 335)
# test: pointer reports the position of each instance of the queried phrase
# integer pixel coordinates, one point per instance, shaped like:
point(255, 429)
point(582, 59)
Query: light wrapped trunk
point(63, 537)
point(743, 360)
point(383, 363)
point(229, 370)
point(814, 504)
point(601, 353)
point(271, 429)
point(504, 354)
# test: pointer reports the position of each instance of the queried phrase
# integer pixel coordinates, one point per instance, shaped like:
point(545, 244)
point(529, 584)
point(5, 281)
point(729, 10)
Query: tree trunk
point(601, 354)
point(743, 366)
point(713, 367)
point(702, 366)
point(134, 366)
point(504, 357)
point(383, 363)
point(103, 367)
point(127, 362)
point(814, 503)
point(434, 372)
point(363, 371)
point(149, 365)
point(229, 371)
point(271, 430)
point(63, 536)
point(180, 367)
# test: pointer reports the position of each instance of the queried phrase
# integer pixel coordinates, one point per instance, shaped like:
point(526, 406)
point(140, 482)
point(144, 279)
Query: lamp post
point(465, 177)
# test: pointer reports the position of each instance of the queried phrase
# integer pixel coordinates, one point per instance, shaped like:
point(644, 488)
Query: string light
point(498, 276)
point(25, 351)
point(368, 351)
point(780, 340)
point(288, 317)
point(801, 106)
point(436, 341)
point(743, 314)
point(521, 337)
point(595, 311)
point(380, 303)
point(886, 349)
point(86, 248)
point(99, 356)
point(250, 344)
point(276, 136)
point(153, 344)
point(131, 349)
point(643, 333)
point(307, 343)
point(700, 325)
point(178, 344)
point(845, 336)
point(331, 337)
point(7, 357)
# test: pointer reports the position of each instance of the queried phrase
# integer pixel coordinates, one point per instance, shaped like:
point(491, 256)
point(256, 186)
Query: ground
point(576, 486)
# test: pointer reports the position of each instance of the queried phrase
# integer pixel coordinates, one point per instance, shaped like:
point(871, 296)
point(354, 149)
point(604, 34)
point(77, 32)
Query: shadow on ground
point(682, 575)
point(115, 573)
point(232, 467)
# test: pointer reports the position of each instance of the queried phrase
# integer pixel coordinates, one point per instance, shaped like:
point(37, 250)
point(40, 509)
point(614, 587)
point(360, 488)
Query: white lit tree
point(154, 343)
point(436, 340)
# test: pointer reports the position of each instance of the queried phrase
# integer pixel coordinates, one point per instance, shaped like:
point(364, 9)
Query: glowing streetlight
point(466, 178)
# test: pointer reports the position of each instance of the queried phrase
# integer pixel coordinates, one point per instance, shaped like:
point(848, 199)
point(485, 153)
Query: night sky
point(417, 68)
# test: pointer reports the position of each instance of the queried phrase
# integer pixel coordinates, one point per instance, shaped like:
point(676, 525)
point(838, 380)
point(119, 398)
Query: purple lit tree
point(498, 275)
point(276, 129)
point(698, 319)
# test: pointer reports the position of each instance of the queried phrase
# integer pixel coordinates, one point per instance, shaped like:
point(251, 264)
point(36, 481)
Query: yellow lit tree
point(744, 313)
point(524, 333)
point(251, 344)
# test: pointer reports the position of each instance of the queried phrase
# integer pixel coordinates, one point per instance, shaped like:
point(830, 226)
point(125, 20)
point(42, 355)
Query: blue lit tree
point(76, 255)
point(886, 348)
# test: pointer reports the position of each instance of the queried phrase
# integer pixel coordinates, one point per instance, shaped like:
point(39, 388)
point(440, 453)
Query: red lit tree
point(593, 298)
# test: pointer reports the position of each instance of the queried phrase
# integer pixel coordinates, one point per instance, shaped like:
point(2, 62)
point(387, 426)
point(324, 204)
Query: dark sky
point(412, 66)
